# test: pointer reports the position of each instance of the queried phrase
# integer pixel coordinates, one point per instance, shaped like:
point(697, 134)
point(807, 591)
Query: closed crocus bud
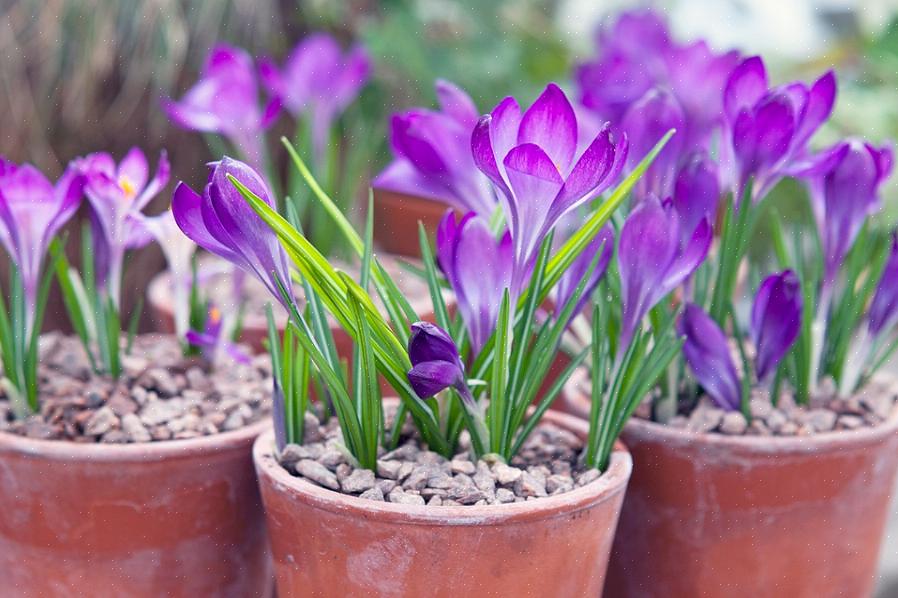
point(883, 313)
point(221, 221)
point(653, 259)
point(696, 194)
point(707, 351)
point(775, 320)
point(436, 364)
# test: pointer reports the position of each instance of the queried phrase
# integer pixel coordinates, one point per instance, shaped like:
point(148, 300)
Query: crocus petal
point(883, 312)
point(818, 108)
point(775, 320)
point(691, 257)
point(592, 168)
point(550, 123)
point(707, 352)
point(429, 342)
point(186, 208)
point(431, 377)
point(133, 170)
point(745, 86)
point(455, 103)
point(535, 183)
point(646, 122)
point(696, 191)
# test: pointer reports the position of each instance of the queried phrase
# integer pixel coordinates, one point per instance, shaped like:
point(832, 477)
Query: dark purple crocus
point(118, 193)
point(645, 123)
point(707, 351)
point(768, 129)
point(653, 259)
point(436, 364)
point(212, 341)
point(221, 221)
point(696, 191)
point(433, 154)
point(225, 100)
point(637, 54)
point(532, 159)
point(32, 210)
point(883, 312)
point(844, 182)
point(775, 320)
point(567, 285)
point(479, 269)
point(318, 79)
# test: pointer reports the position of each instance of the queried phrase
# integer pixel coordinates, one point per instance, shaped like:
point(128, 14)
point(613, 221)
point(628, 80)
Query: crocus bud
point(645, 123)
point(221, 221)
point(707, 352)
point(883, 313)
point(436, 364)
point(696, 192)
point(775, 320)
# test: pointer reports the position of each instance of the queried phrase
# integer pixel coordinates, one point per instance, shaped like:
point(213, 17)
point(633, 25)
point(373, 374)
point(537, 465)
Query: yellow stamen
point(127, 186)
point(214, 315)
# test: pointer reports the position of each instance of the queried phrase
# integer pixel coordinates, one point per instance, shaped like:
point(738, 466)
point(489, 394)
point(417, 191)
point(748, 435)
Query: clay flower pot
point(714, 515)
point(216, 274)
point(396, 217)
point(329, 544)
point(174, 518)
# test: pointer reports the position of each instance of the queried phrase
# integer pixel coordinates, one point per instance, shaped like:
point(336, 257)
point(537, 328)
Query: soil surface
point(825, 412)
point(161, 395)
point(546, 465)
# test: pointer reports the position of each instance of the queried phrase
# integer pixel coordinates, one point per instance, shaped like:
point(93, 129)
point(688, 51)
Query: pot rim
point(639, 430)
point(609, 485)
point(139, 452)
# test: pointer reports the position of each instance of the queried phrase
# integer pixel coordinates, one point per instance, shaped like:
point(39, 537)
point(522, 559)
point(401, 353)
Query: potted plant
point(121, 460)
point(398, 496)
point(765, 458)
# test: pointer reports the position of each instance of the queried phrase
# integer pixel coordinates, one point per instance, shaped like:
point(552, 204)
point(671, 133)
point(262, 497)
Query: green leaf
point(498, 413)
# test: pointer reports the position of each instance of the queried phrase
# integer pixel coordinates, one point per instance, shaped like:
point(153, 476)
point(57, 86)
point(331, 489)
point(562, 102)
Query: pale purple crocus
point(436, 364)
point(707, 351)
point(775, 321)
point(433, 154)
point(637, 54)
point(225, 100)
point(118, 194)
point(478, 268)
point(768, 129)
point(653, 259)
point(32, 211)
point(318, 79)
point(532, 159)
point(178, 250)
point(645, 123)
point(567, 285)
point(221, 221)
point(213, 342)
point(883, 312)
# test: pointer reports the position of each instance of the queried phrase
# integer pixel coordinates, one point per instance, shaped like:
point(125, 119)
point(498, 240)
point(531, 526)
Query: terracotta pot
point(396, 217)
point(174, 518)
point(712, 515)
point(329, 544)
point(255, 325)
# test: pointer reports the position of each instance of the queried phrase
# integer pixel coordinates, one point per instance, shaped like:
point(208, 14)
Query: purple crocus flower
point(479, 269)
point(696, 191)
point(883, 312)
point(118, 193)
point(32, 210)
point(645, 123)
point(567, 285)
point(319, 79)
point(212, 342)
point(433, 154)
point(775, 320)
point(531, 158)
point(844, 183)
point(707, 351)
point(637, 54)
point(225, 100)
point(222, 222)
point(436, 364)
point(653, 259)
point(768, 129)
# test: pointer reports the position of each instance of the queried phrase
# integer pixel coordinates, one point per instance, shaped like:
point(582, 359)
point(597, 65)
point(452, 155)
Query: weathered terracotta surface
point(718, 516)
point(396, 217)
point(328, 544)
point(177, 518)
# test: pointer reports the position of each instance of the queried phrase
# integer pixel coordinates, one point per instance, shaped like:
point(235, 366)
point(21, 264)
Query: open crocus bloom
point(32, 210)
point(225, 100)
point(319, 78)
point(118, 193)
point(222, 222)
point(532, 160)
point(433, 154)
